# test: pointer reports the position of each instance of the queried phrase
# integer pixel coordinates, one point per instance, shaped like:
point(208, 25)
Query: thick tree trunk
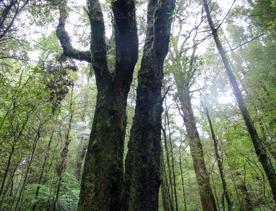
point(143, 158)
point(257, 142)
point(102, 178)
point(144, 149)
point(202, 176)
point(219, 160)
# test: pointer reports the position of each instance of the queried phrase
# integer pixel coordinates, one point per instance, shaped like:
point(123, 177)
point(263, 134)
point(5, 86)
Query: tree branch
point(5, 16)
point(246, 42)
point(162, 26)
point(226, 15)
point(126, 38)
point(64, 38)
point(98, 44)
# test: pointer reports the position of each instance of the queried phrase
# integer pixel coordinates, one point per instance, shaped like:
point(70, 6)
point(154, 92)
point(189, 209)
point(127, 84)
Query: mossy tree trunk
point(102, 179)
point(144, 148)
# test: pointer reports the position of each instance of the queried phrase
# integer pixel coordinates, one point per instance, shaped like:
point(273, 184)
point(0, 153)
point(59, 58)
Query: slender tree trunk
point(17, 189)
point(6, 171)
point(258, 98)
point(11, 156)
point(11, 179)
point(169, 167)
point(247, 204)
point(42, 169)
point(172, 160)
point(219, 160)
point(144, 148)
point(257, 142)
point(182, 179)
point(61, 166)
point(215, 191)
point(166, 199)
point(203, 180)
point(38, 135)
point(79, 158)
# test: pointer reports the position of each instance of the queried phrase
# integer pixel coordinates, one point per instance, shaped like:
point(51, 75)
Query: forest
point(147, 105)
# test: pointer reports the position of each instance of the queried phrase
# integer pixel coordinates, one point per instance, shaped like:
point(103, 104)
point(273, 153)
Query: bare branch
point(246, 42)
point(228, 12)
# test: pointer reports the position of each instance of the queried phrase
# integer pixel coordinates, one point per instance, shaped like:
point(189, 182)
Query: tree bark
point(102, 179)
point(144, 148)
point(103, 167)
point(184, 80)
point(202, 176)
point(257, 142)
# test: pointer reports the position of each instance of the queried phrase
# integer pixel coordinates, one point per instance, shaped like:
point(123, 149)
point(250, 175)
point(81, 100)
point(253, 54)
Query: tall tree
point(144, 148)
point(102, 179)
point(183, 83)
point(257, 142)
point(226, 193)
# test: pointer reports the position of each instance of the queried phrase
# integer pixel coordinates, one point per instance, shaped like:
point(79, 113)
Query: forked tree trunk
point(102, 179)
point(257, 142)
